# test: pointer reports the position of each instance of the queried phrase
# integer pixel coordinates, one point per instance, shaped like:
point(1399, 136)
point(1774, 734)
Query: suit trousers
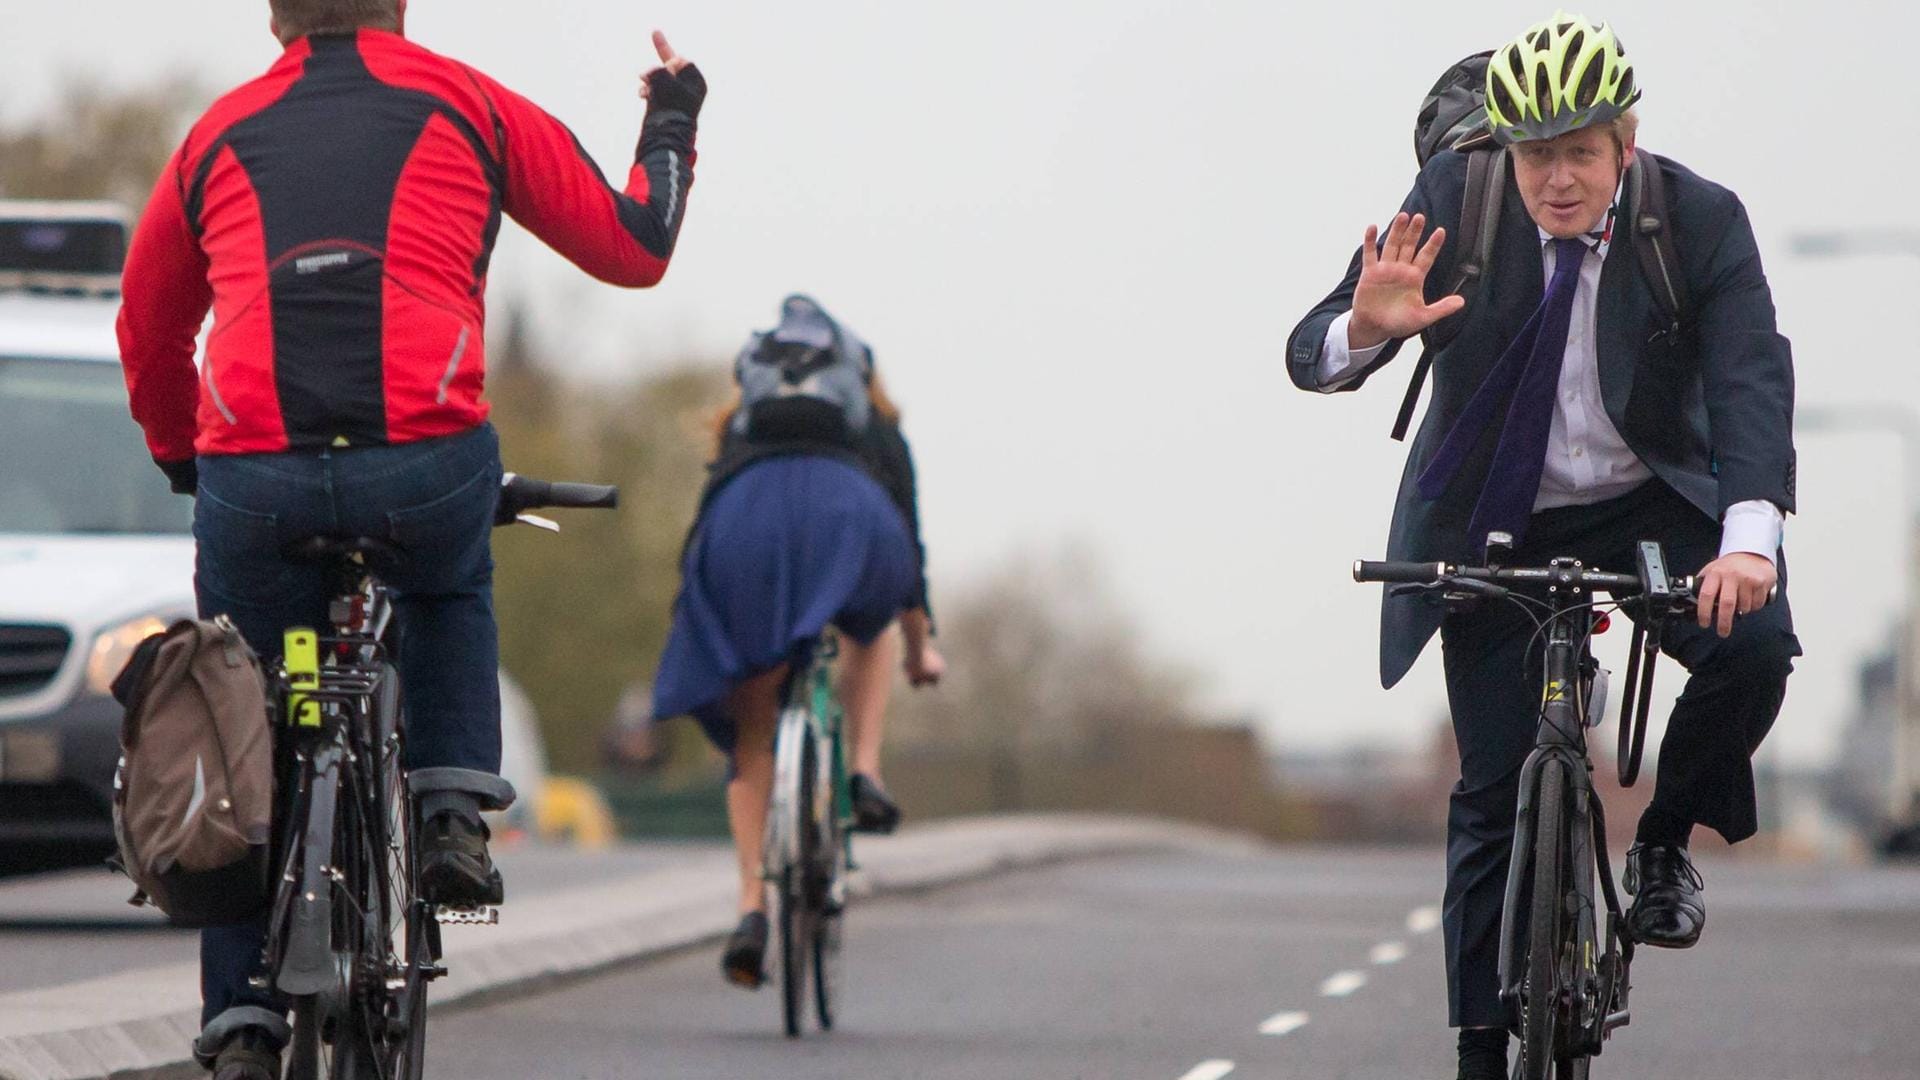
point(1493, 666)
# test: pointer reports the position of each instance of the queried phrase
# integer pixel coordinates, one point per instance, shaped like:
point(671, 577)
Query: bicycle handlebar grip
point(583, 496)
point(1399, 573)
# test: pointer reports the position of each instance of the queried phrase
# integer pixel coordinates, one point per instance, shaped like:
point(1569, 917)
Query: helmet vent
point(1589, 90)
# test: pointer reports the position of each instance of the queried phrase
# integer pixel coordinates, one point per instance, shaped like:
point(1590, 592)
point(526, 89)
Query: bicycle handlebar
point(519, 494)
point(1501, 579)
point(1651, 591)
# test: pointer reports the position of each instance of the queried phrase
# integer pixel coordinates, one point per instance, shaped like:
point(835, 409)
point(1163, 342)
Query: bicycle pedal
point(474, 915)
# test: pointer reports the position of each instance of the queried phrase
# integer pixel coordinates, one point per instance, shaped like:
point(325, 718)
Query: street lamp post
point(1903, 800)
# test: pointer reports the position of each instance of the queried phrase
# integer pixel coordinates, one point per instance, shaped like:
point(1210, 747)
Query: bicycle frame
point(1561, 742)
point(810, 712)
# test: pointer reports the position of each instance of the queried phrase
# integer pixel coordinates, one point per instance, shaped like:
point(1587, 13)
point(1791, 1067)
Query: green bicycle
point(809, 849)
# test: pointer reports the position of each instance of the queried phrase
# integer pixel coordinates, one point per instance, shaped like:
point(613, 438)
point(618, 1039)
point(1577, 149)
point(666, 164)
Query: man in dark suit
point(1569, 412)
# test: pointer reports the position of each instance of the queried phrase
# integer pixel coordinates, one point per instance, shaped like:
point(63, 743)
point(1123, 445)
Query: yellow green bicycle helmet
point(1559, 76)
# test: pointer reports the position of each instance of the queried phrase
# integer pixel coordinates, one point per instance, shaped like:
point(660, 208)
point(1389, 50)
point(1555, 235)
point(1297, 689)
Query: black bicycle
point(349, 938)
point(1565, 982)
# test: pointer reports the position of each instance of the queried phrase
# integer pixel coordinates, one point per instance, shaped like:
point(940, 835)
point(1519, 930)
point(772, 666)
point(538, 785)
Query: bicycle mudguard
point(1516, 876)
point(307, 964)
point(1517, 867)
point(782, 848)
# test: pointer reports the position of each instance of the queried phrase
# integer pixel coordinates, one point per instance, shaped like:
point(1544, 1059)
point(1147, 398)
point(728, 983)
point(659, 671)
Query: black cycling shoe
point(454, 866)
point(250, 1055)
point(743, 963)
point(1668, 911)
point(874, 811)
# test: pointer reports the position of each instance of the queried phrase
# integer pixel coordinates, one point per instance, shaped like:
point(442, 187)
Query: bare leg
point(866, 679)
point(755, 707)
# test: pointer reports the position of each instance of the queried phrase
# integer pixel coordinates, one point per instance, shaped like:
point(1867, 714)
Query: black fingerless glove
point(182, 476)
point(683, 93)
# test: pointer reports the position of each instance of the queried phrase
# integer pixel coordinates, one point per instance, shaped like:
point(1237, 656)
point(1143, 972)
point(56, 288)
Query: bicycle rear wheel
point(1541, 997)
point(371, 1024)
point(797, 895)
point(832, 923)
point(401, 942)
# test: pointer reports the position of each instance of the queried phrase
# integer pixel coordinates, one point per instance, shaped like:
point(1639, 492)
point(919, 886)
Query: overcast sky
point(1078, 231)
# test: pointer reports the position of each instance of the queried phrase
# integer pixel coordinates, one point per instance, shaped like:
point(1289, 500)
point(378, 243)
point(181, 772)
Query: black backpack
point(1453, 116)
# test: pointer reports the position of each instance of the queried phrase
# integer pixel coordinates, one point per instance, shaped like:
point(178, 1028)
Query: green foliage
point(584, 614)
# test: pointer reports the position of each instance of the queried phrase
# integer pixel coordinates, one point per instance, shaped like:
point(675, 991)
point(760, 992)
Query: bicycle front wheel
point(1541, 996)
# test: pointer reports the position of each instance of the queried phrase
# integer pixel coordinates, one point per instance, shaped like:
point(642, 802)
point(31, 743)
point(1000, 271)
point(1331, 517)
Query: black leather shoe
point(744, 961)
point(454, 866)
point(249, 1055)
point(1668, 911)
point(874, 811)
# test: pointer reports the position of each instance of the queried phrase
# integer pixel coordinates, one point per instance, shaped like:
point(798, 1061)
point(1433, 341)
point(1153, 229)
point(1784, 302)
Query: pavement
point(1211, 964)
point(1023, 948)
point(91, 988)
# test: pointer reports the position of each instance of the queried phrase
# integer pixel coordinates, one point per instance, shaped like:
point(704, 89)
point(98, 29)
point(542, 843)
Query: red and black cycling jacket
point(337, 215)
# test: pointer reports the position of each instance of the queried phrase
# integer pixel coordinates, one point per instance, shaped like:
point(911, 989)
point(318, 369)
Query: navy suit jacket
point(1709, 410)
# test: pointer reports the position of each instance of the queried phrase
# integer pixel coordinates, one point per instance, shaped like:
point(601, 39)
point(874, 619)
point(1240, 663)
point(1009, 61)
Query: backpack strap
point(1653, 240)
point(1479, 225)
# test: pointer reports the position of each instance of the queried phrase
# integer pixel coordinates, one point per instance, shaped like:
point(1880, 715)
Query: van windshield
point(71, 458)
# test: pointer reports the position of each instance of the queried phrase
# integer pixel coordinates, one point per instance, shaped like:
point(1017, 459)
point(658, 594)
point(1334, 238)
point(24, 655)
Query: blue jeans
point(434, 500)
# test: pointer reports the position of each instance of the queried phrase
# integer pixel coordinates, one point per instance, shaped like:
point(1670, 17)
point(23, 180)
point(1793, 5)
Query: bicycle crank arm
point(477, 915)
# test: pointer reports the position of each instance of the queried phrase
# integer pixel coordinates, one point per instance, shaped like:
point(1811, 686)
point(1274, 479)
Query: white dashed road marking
point(1284, 1023)
point(1424, 920)
point(1342, 984)
point(1209, 1070)
point(1389, 952)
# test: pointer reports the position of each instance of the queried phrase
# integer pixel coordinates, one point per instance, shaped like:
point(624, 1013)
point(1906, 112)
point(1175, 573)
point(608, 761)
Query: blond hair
point(1625, 127)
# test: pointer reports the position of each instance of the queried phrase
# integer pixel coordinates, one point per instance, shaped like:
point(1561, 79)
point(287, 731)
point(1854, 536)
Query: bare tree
point(97, 143)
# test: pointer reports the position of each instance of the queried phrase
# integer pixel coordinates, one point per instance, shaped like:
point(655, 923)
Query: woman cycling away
point(809, 518)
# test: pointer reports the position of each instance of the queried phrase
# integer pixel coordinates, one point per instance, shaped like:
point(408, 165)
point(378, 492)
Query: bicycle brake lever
point(538, 522)
point(1477, 588)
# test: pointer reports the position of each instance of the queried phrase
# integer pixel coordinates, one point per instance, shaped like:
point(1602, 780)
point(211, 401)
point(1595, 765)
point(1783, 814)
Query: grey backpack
point(805, 379)
point(193, 795)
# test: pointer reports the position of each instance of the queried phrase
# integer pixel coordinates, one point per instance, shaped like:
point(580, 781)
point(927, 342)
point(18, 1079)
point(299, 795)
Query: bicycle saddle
point(376, 555)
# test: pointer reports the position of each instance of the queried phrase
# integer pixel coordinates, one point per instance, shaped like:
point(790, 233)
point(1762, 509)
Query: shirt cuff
point(1755, 527)
point(1339, 364)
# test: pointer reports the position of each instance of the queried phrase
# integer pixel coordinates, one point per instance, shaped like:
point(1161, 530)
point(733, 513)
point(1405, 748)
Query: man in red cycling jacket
point(337, 215)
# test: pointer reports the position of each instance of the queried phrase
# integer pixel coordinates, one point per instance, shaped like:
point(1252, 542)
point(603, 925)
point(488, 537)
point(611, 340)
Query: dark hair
point(298, 18)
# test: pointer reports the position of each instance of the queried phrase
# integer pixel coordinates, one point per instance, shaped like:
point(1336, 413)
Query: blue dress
point(786, 547)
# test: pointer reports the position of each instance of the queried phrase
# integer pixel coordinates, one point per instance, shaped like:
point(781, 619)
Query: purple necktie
point(1528, 373)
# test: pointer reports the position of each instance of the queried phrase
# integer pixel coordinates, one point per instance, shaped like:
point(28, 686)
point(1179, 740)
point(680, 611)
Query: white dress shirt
point(1587, 460)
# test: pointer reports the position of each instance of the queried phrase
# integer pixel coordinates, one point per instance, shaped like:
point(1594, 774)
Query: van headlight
point(114, 646)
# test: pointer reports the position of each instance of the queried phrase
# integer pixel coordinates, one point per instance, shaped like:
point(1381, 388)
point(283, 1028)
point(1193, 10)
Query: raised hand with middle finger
point(676, 84)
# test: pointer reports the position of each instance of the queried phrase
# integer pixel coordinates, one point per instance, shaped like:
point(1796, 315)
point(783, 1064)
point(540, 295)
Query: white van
point(95, 552)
